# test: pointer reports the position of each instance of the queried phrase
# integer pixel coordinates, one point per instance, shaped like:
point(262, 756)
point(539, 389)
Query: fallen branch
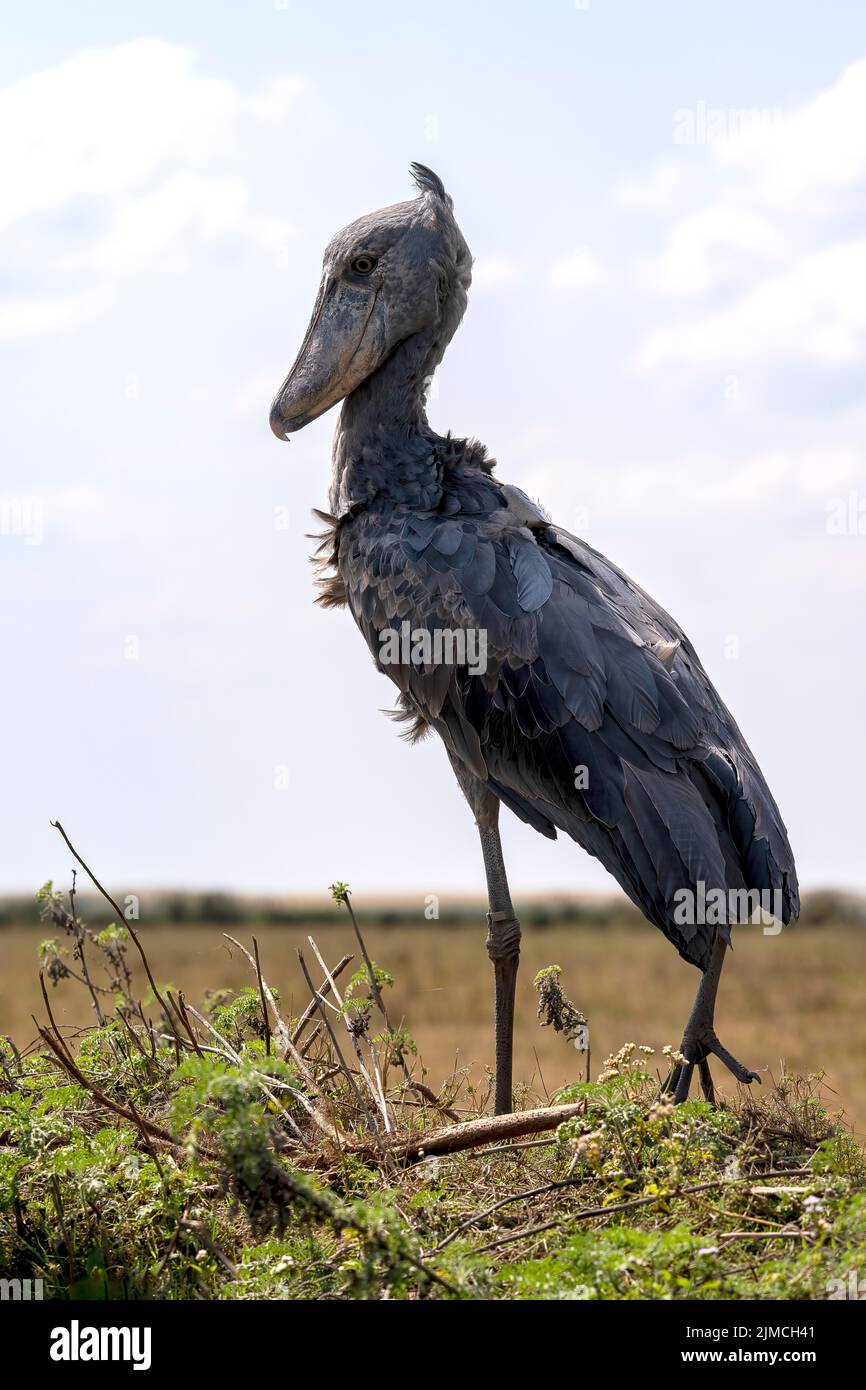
point(475, 1133)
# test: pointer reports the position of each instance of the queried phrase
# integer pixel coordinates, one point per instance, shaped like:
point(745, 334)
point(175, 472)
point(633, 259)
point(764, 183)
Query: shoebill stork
point(591, 712)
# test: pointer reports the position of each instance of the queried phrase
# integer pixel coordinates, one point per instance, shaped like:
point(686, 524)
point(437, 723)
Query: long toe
point(739, 1071)
point(707, 1081)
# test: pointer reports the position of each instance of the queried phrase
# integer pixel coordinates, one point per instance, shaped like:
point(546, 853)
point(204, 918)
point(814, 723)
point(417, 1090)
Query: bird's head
point(393, 275)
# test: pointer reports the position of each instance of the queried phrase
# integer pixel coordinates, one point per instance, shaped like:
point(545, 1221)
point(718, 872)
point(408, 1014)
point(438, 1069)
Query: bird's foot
point(696, 1050)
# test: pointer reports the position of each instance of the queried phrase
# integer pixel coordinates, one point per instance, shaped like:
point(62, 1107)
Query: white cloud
point(718, 244)
point(579, 271)
point(494, 272)
point(105, 121)
point(707, 485)
point(657, 191)
point(774, 271)
point(820, 147)
point(146, 228)
point(160, 227)
point(815, 312)
point(124, 147)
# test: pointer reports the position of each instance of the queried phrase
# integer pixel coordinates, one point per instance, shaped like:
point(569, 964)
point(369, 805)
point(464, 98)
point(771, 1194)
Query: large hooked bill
point(344, 344)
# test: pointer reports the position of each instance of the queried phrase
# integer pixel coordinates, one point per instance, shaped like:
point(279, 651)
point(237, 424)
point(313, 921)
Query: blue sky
point(665, 344)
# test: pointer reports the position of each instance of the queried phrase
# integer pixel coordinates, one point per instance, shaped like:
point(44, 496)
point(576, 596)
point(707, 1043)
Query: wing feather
point(594, 715)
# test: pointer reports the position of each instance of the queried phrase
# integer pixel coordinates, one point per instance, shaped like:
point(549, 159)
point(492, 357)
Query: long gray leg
point(503, 928)
point(503, 948)
point(700, 1041)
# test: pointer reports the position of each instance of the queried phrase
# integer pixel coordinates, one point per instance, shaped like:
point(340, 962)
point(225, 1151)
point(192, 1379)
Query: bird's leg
point(503, 948)
point(503, 928)
point(700, 1041)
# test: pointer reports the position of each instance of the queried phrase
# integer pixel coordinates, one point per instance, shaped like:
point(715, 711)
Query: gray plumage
point(584, 669)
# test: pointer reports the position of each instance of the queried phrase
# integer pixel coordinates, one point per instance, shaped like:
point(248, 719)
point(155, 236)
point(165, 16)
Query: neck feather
point(384, 445)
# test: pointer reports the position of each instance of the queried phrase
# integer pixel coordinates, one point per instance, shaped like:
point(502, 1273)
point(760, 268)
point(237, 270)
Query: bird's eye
point(364, 264)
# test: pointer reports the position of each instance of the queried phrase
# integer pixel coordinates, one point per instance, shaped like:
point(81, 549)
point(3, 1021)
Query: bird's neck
point(383, 446)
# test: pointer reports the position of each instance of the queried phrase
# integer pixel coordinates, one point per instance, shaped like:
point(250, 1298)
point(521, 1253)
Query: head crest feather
point(428, 182)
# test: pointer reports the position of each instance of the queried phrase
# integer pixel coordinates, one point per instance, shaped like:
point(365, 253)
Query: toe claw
point(696, 1048)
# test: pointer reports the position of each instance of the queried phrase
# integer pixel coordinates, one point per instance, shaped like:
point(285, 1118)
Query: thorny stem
point(263, 999)
point(378, 1091)
point(336, 1046)
point(346, 897)
point(121, 918)
point(312, 1007)
point(292, 1053)
point(80, 937)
